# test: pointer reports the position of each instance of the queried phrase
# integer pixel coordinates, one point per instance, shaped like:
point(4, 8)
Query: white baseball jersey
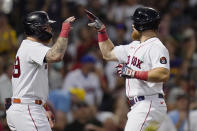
point(143, 56)
point(30, 73)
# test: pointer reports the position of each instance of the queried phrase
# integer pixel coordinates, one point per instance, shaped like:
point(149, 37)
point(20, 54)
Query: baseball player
point(30, 73)
point(144, 64)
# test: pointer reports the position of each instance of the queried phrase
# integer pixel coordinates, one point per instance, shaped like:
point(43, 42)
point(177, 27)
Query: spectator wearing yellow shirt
point(8, 38)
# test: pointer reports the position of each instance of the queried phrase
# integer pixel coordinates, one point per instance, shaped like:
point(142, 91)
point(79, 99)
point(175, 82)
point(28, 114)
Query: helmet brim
point(132, 17)
point(51, 21)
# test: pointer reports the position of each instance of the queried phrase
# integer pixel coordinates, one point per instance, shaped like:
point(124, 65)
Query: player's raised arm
point(105, 44)
point(56, 53)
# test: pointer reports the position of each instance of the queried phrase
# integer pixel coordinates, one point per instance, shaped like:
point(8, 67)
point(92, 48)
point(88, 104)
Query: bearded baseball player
point(30, 73)
point(144, 64)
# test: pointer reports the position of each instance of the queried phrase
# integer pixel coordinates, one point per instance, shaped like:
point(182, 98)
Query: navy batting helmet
point(34, 24)
point(146, 18)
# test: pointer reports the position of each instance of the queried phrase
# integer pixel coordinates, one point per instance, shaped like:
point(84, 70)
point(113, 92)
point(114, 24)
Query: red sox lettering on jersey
point(135, 61)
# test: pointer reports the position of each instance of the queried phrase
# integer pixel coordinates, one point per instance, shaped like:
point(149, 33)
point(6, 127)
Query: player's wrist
point(46, 107)
point(132, 73)
point(102, 35)
point(65, 29)
point(141, 75)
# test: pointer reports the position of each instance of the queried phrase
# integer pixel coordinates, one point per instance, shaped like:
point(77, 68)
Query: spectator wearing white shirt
point(85, 78)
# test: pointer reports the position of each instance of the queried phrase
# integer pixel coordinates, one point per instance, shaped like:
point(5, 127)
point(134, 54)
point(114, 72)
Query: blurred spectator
point(164, 27)
point(180, 114)
point(189, 46)
point(111, 74)
point(115, 92)
point(62, 101)
point(53, 7)
point(181, 87)
point(130, 7)
point(1, 128)
point(80, 2)
point(60, 121)
point(121, 31)
point(8, 39)
point(6, 6)
point(95, 6)
point(86, 79)
point(55, 75)
point(5, 81)
point(179, 19)
point(121, 110)
point(167, 125)
point(175, 60)
point(116, 12)
point(190, 125)
point(192, 2)
point(86, 42)
point(82, 114)
point(162, 6)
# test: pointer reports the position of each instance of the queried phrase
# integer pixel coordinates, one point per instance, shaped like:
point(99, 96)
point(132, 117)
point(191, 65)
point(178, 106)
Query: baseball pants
point(146, 115)
point(27, 117)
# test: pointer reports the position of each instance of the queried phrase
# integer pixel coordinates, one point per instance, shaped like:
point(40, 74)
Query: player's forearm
point(158, 75)
point(106, 48)
point(56, 53)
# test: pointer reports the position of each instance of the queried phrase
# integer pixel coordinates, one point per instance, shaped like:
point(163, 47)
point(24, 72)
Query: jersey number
point(16, 69)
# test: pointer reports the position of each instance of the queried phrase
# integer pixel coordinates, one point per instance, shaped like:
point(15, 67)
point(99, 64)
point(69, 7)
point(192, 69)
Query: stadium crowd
point(86, 94)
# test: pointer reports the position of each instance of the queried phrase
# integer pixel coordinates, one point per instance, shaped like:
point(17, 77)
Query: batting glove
point(66, 26)
point(96, 23)
point(124, 71)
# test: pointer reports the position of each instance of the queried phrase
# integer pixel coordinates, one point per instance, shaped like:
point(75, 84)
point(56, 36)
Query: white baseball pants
point(27, 117)
point(147, 114)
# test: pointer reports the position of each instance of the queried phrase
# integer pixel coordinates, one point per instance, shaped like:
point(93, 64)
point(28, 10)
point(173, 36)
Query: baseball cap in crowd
point(78, 92)
point(88, 59)
point(121, 27)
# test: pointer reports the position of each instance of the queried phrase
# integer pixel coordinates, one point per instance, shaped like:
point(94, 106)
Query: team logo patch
point(163, 60)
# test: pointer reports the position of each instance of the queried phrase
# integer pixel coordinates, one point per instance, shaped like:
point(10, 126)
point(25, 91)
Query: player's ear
point(132, 26)
point(135, 35)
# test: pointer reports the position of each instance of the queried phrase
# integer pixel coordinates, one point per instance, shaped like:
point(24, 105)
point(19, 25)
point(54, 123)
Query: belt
point(134, 100)
point(17, 100)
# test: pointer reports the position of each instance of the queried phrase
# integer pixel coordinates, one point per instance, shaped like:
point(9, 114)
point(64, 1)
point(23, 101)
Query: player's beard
point(47, 42)
point(135, 35)
point(45, 37)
